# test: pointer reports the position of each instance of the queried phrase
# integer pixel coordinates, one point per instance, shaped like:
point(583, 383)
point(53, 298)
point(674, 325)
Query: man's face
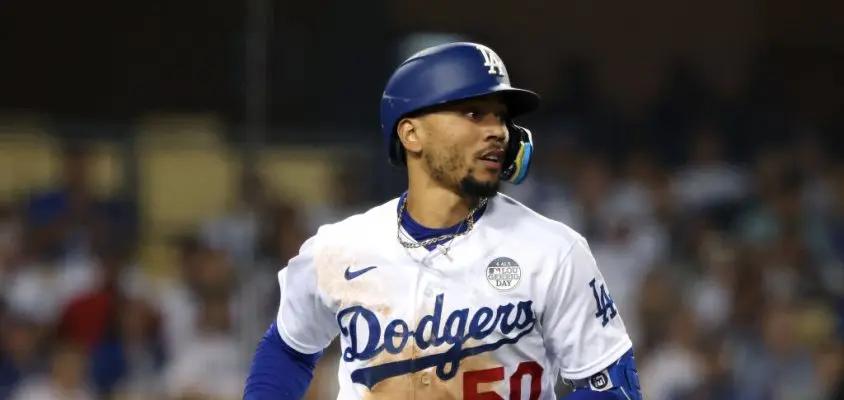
point(462, 145)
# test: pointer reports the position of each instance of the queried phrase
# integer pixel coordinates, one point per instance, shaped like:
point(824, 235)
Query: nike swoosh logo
point(354, 274)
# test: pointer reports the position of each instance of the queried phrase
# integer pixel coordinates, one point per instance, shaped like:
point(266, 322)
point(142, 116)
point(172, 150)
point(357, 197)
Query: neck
point(435, 207)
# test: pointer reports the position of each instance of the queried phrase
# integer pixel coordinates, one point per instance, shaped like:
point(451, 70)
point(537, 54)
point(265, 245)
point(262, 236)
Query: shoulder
point(356, 242)
point(531, 228)
point(358, 227)
point(346, 241)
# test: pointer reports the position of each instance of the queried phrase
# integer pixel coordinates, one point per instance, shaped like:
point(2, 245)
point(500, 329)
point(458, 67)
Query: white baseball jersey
point(509, 307)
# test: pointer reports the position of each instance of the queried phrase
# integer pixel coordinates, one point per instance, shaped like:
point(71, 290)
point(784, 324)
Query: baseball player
point(452, 290)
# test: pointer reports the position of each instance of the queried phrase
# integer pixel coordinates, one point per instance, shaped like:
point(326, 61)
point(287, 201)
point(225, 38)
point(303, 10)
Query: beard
point(443, 170)
point(469, 186)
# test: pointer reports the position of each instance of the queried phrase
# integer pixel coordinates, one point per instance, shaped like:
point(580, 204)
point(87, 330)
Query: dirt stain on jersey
point(330, 267)
point(425, 384)
point(331, 264)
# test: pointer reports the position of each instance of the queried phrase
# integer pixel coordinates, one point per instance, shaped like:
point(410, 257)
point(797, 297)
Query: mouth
point(492, 159)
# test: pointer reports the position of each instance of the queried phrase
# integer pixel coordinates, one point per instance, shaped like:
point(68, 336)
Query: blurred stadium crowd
point(723, 252)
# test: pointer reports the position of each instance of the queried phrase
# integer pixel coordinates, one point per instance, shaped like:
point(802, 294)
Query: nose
point(494, 129)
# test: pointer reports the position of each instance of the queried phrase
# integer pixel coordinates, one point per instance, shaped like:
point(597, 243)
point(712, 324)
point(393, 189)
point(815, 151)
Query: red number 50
point(471, 379)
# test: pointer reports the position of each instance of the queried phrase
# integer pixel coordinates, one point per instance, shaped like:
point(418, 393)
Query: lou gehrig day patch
point(503, 273)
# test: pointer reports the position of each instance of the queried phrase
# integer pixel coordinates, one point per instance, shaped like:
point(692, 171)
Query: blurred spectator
point(279, 244)
point(656, 306)
point(67, 220)
point(210, 365)
point(215, 276)
point(813, 164)
point(591, 190)
point(38, 288)
point(674, 367)
point(716, 381)
point(20, 355)
point(178, 298)
point(769, 167)
point(710, 297)
point(828, 244)
point(830, 365)
point(238, 233)
point(11, 252)
point(779, 210)
point(285, 235)
point(65, 381)
point(640, 178)
point(749, 301)
point(349, 195)
point(778, 367)
point(128, 362)
point(205, 274)
point(709, 180)
point(836, 227)
point(788, 273)
point(87, 317)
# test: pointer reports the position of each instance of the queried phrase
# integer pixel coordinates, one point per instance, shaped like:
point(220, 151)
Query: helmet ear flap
point(518, 154)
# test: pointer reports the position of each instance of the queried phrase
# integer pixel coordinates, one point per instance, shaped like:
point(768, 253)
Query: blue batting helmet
point(452, 72)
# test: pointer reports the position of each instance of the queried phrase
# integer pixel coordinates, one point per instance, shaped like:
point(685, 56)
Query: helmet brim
point(519, 101)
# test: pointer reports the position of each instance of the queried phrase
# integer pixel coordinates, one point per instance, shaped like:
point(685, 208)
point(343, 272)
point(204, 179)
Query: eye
point(479, 115)
point(475, 115)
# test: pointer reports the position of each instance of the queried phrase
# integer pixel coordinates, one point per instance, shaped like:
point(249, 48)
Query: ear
point(408, 132)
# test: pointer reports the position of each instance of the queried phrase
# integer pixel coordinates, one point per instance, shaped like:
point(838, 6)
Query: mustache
point(492, 149)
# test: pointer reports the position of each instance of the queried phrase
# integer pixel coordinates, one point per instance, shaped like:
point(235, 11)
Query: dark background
point(326, 61)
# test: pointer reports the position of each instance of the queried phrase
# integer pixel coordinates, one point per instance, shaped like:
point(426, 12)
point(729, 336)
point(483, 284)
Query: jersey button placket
point(421, 299)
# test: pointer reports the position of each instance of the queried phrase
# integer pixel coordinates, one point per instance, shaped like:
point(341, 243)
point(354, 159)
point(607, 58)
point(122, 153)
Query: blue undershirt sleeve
point(278, 371)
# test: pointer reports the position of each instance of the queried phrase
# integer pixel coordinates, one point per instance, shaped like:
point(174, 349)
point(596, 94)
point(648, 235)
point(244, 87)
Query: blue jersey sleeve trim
point(278, 371)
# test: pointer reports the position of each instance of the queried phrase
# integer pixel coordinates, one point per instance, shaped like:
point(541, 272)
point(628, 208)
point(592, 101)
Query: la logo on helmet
point(492, 61)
